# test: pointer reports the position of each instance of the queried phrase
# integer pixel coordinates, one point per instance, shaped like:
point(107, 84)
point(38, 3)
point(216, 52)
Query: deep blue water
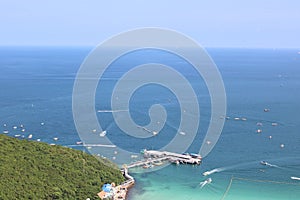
point(36, 86)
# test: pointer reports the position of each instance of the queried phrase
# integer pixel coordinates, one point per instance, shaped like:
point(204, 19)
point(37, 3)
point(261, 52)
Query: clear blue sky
point(212, 23)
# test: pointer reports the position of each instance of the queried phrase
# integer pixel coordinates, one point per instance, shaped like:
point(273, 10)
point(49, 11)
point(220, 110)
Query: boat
point(258, 131)
point(146, 166)
point(210, 172)
point(6, 132)
point(207, 181)
point(264, 162)
point(102, 134)
point(133, 156)
point(157, 163)
point(154, 132)
point(267, 164)
point(182, 133)
point(295, 178)
point(194, 155)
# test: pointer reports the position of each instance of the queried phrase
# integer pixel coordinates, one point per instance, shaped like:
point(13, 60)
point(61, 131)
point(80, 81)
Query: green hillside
point(35, 170)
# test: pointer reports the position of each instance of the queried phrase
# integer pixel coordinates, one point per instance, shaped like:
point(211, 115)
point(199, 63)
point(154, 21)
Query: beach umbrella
point(106, 187)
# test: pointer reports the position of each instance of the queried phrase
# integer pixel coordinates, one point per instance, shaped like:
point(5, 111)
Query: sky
point(212, 23)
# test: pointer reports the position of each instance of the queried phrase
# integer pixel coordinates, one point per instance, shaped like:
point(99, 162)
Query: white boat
point(6, 132)
point(207, 181)
point(182, 133)
point(295, 178)
point(55, 138)
point(264, 162)
point(158, 163)
point(133, 156)
point(146, 166)
point(210, 172)
point(102, 134)
point(30, 136)
point(267, 164)
point(258, 131)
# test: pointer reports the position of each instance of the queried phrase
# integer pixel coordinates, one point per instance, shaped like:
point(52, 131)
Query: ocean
point(262, 88)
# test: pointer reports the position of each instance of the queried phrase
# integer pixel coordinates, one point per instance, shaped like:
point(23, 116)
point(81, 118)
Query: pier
point(151, 158)
point(157, 157)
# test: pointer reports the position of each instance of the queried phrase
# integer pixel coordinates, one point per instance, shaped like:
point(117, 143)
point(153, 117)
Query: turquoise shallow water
point(36, 86)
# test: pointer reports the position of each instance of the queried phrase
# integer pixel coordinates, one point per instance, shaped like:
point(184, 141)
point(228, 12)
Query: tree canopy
point(36, 170)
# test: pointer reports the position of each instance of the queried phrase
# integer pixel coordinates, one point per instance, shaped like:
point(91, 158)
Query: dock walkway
point(152, 157)
point(120, 191)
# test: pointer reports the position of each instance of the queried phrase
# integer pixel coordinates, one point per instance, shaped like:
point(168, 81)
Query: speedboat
point(210, 172)
point(264, 162)
point(207, 181)
point(295, 178)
